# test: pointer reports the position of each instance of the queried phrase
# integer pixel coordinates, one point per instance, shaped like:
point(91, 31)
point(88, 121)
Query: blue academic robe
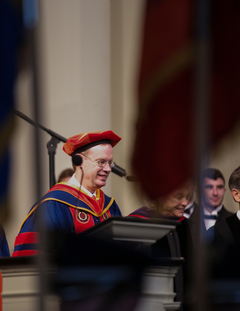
point(64, 208)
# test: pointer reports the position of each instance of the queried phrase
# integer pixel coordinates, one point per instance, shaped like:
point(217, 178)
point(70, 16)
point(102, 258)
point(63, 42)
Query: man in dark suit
point(224, 254)
point(212, 210)
point(228, 230)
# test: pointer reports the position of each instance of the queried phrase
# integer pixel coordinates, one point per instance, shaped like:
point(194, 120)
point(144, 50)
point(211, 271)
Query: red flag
point(163, 155)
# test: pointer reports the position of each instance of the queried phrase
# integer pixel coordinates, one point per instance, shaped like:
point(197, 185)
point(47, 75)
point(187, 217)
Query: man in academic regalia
point(76, 205)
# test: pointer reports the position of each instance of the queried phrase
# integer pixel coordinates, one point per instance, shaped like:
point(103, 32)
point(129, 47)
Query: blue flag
point(10, 38)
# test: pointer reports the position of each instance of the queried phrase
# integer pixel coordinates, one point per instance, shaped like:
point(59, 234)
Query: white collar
point(238, 214)
point(190, 205)
point(214, 212)
point(190, 209)
point(74, 181)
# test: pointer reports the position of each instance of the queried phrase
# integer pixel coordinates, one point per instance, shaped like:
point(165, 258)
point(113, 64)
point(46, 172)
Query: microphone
point(77, 159)
point(119, 171)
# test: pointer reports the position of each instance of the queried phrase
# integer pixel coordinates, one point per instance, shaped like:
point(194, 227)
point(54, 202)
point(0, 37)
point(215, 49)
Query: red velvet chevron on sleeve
point(26, 244)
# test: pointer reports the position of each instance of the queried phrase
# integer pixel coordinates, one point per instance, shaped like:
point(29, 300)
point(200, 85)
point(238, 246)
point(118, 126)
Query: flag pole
point(31, 23)
point(202, 138)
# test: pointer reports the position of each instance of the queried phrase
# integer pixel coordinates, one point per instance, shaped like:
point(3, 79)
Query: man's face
point(213, 192)
point(95, 177)
point(174, 204)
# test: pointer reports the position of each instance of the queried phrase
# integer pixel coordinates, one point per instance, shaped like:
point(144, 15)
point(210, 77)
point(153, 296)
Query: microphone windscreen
point(119, 170)
point(76, 159)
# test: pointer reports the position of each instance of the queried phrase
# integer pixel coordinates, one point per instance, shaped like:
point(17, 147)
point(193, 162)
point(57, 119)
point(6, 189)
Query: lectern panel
point(132, 230)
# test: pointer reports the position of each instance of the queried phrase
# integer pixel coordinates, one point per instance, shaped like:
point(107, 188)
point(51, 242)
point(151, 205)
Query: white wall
point(126, 49)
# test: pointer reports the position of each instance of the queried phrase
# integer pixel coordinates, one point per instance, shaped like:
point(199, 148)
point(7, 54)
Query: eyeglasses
point(102, 163)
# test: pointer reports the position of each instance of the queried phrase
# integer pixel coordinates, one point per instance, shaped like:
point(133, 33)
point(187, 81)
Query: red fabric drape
point(163, 155)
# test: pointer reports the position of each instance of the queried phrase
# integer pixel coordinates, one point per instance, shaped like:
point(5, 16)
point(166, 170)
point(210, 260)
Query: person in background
point(65, 175)
point(212, 209)
point(213, 190)
point(79, 204)
point(224, 253)
point(227, 232)
point(178, 242)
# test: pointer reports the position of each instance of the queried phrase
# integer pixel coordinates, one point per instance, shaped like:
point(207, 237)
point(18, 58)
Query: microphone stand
point(52, 147)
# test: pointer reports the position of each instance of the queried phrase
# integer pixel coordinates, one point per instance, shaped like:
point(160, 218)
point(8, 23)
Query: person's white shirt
point(238, 214)
point(73, 181)
point(189, 210)
point(211, 222)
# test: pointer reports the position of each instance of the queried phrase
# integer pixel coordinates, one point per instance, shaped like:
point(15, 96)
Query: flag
point(163, 155)
point(10, 34)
